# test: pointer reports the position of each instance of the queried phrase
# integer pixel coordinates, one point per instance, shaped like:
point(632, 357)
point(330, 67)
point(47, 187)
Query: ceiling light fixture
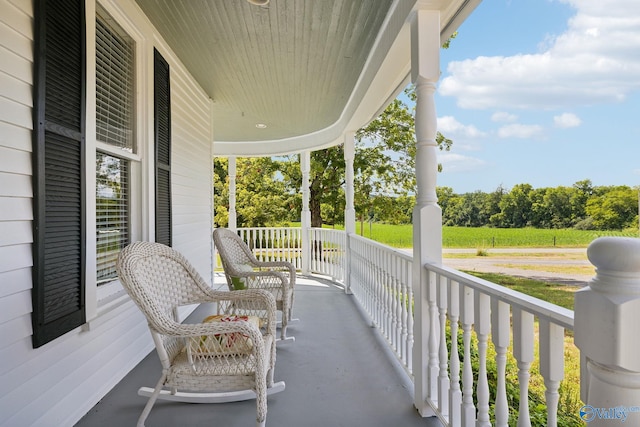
point(259, 2)
point(261, 126)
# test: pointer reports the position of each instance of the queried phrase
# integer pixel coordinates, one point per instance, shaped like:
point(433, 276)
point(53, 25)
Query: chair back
point(234, 252)
point(159, 280)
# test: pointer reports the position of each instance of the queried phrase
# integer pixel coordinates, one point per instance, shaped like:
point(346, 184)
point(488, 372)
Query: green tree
point(221, 191)
point(515, 208)
point(326, 178)
point(558, 203)
point(261, 198)
point(584, 190)
point(615, 208)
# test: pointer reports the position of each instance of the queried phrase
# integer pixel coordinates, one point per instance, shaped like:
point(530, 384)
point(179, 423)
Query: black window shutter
point(59, 169)
point(162, 130)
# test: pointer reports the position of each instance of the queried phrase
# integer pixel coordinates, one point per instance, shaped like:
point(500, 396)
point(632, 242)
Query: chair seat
point(214, 372)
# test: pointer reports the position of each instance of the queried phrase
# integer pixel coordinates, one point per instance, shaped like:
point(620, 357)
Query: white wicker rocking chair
point(243, 270)
point(223, 361)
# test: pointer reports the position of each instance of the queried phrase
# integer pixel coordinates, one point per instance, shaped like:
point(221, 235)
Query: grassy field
point(400, 236)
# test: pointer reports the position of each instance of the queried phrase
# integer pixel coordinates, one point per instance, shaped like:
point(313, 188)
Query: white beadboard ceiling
point(301, 67)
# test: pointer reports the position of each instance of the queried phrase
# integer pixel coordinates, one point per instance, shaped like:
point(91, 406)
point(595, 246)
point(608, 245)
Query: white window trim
point(104, 299)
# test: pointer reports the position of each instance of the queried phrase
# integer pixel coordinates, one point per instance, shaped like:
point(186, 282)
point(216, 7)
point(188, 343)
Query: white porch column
point(349, 155)
point(427, 215)
point(305, 215)
point(232, 193)
point(349, 211)
point(607, 315)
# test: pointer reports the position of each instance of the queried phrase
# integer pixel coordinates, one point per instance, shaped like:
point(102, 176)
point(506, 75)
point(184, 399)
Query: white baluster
point(551, 365)
point(396, 294)
point(443, 375)
point(299, 247)
point(455, 395)
point(342, 266)
point(316, 251)
point(432, 367)
point(482, 327)
point(500, 328)
point(270, 244)
point(409, 309)
point(523, 353)
point(467, 319)
point(404, 319)
point(381, 292)
point(392, 298)
point(274, 244)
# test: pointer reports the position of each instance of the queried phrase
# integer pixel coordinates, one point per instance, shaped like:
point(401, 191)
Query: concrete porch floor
point(338, 372)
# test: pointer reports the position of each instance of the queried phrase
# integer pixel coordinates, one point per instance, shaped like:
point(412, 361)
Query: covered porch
point(384, 338)
point(361, 358)
point(338, 372)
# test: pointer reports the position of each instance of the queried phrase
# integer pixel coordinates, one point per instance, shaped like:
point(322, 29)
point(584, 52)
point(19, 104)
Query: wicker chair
point(228, 360)
point(243, 270)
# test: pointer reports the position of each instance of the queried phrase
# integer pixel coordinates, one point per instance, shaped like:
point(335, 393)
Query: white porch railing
point(466, 318)
point(328, 252)
point(380, 278)
point(274, 244)
point(478, 309)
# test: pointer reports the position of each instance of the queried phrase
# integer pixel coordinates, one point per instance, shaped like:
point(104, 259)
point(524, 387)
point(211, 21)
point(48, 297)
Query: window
point(115, 134)
point(112, 212)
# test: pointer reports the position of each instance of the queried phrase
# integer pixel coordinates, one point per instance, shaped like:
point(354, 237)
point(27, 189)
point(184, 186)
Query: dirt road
point(542, 263)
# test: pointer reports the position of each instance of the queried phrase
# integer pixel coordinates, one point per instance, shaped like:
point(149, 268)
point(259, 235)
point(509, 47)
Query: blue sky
point(544, 92)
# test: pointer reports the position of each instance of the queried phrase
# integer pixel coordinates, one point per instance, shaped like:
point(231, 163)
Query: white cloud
point(502, 116)
point(449, 126)
point(596, 60)
point(520, 131)
point(567, 120)
point(458, 163)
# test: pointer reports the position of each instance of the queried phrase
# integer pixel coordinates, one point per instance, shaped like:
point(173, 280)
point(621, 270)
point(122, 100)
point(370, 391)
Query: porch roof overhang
point(308, 70)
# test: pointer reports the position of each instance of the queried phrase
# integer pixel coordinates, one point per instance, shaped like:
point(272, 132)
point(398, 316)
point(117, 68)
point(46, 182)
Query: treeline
point(268, 194)
point(581, 206)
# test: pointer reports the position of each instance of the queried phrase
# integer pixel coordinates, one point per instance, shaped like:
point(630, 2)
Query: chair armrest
point(281, 265)
point(257, 275)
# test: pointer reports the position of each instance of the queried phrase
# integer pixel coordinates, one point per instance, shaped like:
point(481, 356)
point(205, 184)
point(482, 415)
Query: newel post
point(607, 332)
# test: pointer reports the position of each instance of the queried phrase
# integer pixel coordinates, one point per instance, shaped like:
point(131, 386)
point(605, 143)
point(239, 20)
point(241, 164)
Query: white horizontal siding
point(14, 306)
point(14, 208)
point(82, 355)
point(15, 161)
point(14, 185)
point(15, 257)
point(17, 137)
point(15, 281)
point(15, 232)
point(59, 382)
point(191, 172)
